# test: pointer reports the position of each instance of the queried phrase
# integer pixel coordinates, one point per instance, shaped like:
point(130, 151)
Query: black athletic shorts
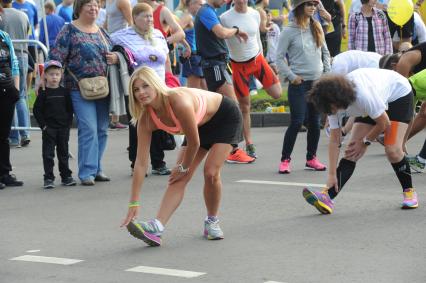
point(226, 126)
point(407, 29)
point(216, 74)
point(400, 110)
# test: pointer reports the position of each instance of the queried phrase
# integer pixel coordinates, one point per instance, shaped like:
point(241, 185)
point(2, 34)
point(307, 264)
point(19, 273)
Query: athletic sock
point(403, 172)
point(159, 225)
point(212, 218)
point(234, 148)
point(344, 172)
point(422, 153)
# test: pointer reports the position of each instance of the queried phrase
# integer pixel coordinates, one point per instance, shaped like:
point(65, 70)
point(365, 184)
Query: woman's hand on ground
point(131, 215)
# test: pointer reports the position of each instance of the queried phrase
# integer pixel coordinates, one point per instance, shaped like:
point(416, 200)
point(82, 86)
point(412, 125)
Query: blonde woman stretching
point(211, 123)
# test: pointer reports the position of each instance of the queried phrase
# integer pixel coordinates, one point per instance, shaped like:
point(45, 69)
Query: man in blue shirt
point(65, 10)
point(54, 24)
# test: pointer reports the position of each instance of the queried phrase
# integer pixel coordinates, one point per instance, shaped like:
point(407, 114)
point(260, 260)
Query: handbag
point(96, 87)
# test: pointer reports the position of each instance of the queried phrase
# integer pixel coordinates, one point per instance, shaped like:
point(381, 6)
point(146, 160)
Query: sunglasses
point(311, 4)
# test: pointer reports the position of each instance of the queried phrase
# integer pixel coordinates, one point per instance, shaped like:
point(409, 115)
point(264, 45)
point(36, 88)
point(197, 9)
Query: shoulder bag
point(96, 87)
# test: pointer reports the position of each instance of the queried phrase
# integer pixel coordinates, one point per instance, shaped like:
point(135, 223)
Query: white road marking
point(274, 282)
point(32, 251)
point(46, 259)
point(282, 183)
point(165, 271)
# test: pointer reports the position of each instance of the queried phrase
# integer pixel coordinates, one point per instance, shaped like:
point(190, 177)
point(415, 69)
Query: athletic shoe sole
point(137, 231)
point(284, 172)
point(239, 162)
point(208, 237)
point(312, 199)
point(314, 169)
point(404, 206)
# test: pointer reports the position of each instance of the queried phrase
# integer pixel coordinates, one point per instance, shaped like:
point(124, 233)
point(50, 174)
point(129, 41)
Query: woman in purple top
point(149, 48)
point(84, 49)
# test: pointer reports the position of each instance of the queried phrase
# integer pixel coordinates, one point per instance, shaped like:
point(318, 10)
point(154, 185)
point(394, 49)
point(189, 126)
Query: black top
point(333, 9)
point(209, 46)
point(371, 44)
point(6, 79)
point(422, 65)
point(53, 108)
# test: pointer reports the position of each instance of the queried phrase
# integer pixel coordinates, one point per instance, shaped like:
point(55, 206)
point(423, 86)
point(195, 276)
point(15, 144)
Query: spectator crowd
point(106, 58)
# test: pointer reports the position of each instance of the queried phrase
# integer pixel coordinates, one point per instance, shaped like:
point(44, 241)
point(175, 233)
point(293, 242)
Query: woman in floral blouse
point(84, 49)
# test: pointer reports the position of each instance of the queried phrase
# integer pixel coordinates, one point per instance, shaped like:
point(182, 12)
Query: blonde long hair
point(150, 77)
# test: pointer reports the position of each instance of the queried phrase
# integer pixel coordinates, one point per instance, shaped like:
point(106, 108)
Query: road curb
point(258, 120)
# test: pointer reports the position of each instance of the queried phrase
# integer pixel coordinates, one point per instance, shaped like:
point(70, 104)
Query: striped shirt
point(358, 32)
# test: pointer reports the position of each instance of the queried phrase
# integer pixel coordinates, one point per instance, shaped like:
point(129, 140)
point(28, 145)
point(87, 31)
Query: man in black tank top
point(410, 63)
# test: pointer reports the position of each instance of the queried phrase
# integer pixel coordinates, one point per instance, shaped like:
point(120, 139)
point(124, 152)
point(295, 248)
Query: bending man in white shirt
point(382, 101)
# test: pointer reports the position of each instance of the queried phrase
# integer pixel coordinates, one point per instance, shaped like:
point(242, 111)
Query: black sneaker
point(162, 171)
point(69, 181)
point(2, 186)
point(10, 181)
point(101, 177)
point(48, 184)
point(25, 141)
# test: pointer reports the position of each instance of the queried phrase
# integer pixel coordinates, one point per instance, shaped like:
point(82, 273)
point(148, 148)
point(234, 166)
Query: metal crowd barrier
point(45, 53)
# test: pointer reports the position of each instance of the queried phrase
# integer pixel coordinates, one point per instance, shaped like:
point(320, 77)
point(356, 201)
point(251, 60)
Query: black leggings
point(8, 98)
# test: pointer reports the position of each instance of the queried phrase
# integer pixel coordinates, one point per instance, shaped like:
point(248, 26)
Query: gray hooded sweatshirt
point(305, 59)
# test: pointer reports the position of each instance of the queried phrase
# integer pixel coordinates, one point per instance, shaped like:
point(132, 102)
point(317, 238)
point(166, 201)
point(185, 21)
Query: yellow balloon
point(400, 11)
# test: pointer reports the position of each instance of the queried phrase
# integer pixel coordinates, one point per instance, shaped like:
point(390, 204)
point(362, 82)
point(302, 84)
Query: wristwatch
point(238, 30)
point(181, 169)
point(366, 141)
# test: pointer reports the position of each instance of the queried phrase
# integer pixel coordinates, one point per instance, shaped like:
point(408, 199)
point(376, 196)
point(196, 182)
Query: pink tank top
point(202, 108)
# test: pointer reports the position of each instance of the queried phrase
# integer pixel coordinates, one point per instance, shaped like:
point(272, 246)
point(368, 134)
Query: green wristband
point(134, 204)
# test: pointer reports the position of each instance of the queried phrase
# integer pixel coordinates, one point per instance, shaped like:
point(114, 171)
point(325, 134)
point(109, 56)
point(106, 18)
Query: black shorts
point(216, 74)
point(406, 31)
point(400, 110)
point(226, 126)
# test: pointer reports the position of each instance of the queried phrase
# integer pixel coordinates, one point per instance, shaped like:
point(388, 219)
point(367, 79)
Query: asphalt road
point(271, 234)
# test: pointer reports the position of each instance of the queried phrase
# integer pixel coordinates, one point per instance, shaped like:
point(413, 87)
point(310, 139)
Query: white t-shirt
point(248, 22)
point(350, 60)
point(374, 90)
point(101, 17)
point(420, 28)
point(273, 37)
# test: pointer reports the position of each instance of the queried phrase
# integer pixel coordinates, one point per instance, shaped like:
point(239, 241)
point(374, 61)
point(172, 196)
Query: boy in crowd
point(53, 112)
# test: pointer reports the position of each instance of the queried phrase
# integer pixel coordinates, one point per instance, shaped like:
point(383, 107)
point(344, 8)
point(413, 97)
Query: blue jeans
point(301, 111)
point(92, 123)
point(21, 117)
